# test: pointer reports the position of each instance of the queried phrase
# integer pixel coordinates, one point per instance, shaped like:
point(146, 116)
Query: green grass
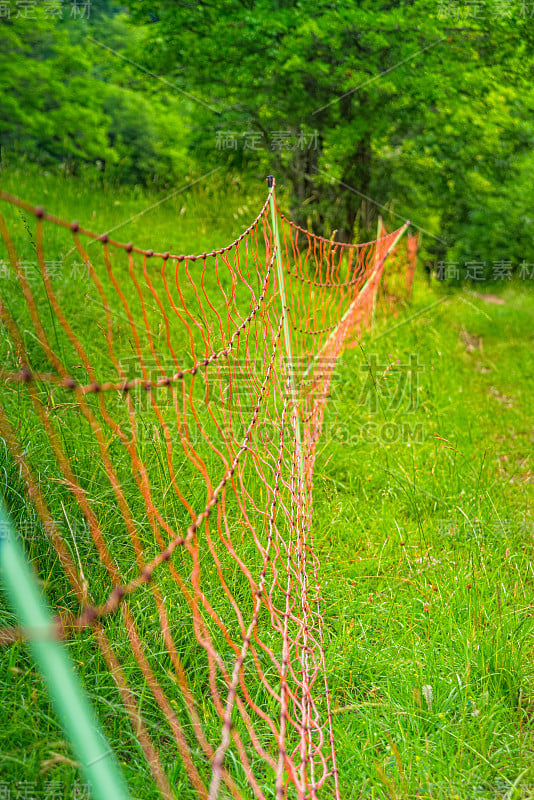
point(427, 557)
point(423, 523)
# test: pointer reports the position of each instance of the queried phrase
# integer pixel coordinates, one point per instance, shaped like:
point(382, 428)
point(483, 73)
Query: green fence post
point(287, 334)
point(97, 760)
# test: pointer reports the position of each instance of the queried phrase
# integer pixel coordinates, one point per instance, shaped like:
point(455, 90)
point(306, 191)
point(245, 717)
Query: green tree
point(409, 106)
point(48, 108)
point(67, 97)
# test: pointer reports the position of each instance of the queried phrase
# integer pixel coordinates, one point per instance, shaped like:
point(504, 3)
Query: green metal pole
point(73, 708)
point(287, 334)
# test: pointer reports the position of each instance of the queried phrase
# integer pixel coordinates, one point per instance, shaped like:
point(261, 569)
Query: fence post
point(73, 708)
point(287, 333)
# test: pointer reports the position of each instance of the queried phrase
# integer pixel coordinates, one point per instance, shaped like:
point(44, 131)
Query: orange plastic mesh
point(153, 407)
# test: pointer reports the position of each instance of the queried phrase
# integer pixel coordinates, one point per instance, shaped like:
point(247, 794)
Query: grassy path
point(425, 519)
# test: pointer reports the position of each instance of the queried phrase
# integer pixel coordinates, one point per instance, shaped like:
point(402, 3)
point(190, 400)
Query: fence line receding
point(162, 414)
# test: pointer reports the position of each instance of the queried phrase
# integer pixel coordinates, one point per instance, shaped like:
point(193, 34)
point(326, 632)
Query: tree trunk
point(302, 173)
point(356, 178)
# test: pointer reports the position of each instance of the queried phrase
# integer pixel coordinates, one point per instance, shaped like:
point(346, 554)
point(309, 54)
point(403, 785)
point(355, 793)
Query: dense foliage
point(68, 97)
point(424, 107)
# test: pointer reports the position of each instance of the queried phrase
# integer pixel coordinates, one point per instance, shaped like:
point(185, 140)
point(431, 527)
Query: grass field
point(423, 522)
point(427, 557)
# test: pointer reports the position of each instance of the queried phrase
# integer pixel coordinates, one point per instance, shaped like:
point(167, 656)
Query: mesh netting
point(168, 408)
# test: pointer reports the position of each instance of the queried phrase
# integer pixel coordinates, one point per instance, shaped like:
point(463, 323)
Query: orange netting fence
point(397, 283)
point(171, 411)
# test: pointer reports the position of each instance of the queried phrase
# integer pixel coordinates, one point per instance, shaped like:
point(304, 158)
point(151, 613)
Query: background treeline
point(439, 129)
